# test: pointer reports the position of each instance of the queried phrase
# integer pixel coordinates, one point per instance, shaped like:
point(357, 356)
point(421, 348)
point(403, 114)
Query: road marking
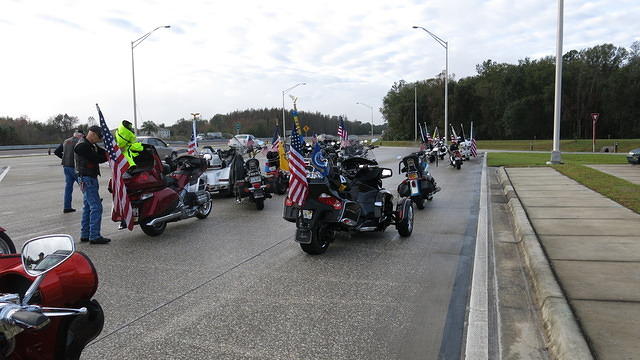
point(4, 173)
point(478, 329)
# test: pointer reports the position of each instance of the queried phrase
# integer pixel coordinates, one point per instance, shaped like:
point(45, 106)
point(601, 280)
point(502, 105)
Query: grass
point(616, 189)
point(398, 143)
point(621, 191)
point(540, 159)
point(581, 145)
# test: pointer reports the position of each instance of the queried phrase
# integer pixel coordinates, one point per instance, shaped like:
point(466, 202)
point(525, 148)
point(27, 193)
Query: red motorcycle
point(36, 290)
point(159, 196)
point(277, 178)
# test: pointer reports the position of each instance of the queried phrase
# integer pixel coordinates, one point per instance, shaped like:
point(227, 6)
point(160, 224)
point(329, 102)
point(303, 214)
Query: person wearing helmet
point(127, 142)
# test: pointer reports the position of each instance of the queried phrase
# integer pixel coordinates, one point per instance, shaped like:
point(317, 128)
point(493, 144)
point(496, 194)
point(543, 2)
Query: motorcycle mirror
point(44, 253)
point(399, 157)
point(207, 157)
point(387, 173)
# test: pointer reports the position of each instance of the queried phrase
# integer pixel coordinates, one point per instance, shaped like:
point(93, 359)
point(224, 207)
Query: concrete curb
point(564, 337)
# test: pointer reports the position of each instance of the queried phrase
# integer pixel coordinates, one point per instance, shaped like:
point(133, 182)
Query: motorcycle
point(159, 196)
point(6, 245)
point(37, 288)
point(419, 185)
point(277, 178)
point(455, 157)
point(442, 150)
point(358, 204)
point(248, 181)
point(218, 169)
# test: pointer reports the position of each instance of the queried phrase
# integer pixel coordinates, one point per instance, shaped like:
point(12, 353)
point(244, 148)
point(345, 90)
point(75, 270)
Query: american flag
point(193, 143)
point(119, 165)
point(275, 141)
point(298, 186)
point(342, 133)
point(474, 148)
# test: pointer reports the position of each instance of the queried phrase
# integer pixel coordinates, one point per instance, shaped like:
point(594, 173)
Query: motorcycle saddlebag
point(404, 190)
point(427, 185)
point(290, 213)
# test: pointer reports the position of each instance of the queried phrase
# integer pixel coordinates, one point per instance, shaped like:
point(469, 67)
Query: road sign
point(237, 127)
point(594, 117)
point(305, 128)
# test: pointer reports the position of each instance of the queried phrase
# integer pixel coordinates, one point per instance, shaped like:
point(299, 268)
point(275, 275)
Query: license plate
point(307, 214)
point(272, 168)
point(255, 179)
point(413, 176)
point(258, 195)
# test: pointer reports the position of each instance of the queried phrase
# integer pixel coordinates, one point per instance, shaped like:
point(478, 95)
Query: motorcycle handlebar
point(30, 319)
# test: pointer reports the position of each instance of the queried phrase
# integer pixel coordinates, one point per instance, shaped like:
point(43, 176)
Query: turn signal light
point(331, 201)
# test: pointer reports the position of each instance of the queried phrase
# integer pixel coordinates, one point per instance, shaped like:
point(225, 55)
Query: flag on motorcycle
point(298, 185)
point(342, 134)
point(284, 164)
point(121, 210)
point(193, 142)
point(474, 147)
point(318, 162)
point(429, 138)
point(275, 141)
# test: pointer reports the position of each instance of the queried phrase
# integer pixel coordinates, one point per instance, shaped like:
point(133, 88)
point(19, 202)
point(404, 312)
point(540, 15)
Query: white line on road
point(478, 328)
point(4, 173)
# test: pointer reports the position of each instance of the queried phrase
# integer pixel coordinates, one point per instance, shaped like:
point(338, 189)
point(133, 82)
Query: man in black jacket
point(65, 152)
point(88, 157)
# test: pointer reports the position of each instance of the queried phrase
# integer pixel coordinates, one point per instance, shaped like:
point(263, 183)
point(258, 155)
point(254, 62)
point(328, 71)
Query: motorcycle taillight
point(331, 201)
point(288, 202)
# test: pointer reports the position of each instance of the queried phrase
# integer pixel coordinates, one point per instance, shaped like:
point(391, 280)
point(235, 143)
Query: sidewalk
point(627, 172)
point(593, 245)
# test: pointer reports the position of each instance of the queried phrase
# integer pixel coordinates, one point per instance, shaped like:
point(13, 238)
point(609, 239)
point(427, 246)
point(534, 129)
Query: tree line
point(516, 101)
point(259, 122)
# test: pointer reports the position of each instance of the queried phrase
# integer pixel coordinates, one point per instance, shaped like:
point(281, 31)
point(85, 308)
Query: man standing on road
point(65, 152)
point(88, 158)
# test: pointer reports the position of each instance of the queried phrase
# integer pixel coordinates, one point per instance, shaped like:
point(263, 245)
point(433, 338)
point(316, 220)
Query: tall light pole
point(370, 108)
point(446, 80)
point(556, 156)
point(284, 128)
point(415, 107)
point(135, 43)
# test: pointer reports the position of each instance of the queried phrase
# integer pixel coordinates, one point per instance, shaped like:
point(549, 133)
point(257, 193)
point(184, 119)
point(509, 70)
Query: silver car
point(163, 149)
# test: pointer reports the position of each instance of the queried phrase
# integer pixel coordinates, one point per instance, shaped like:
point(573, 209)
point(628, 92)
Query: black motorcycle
point(248, 181)
point(419, 185)
point(355, 203)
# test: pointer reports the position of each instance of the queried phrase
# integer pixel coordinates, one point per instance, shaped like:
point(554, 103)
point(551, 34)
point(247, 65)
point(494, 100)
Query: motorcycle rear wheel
point(204, 210)
point(458, 165)
point(260, 204)
point(6, 245)
point(319, 241)
point(280, 186)
point(153, 230)
point(419, 202)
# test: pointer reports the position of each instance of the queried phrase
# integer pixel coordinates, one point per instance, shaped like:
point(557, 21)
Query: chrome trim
point(161, 219)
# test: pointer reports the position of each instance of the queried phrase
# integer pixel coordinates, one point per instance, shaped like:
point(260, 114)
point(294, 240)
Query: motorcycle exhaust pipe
point(165, 218)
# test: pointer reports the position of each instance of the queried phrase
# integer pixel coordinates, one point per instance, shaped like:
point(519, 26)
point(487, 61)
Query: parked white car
point(243, 139)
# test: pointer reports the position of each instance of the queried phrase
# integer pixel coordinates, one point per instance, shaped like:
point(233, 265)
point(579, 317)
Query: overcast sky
point(220, 56)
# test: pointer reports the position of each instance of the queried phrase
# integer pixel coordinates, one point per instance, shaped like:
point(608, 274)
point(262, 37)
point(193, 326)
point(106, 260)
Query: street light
point(556, 157)
point(135, 43)
point(284, 128)
point(371, 108)
point(446, 80)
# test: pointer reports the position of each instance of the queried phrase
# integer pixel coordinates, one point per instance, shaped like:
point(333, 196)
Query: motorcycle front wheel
point(153, 230)
point(6, 245)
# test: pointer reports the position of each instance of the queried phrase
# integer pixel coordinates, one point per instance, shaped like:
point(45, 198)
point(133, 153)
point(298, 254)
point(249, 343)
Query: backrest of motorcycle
point(147, 173)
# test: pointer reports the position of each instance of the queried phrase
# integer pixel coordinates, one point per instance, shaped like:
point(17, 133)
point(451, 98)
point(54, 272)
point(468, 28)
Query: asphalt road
point(236, 285)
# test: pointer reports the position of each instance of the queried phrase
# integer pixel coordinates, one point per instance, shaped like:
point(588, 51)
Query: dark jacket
point(65, 151)
point(88, 157)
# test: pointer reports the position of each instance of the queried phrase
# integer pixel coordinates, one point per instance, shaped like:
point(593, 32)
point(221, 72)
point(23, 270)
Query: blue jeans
point(69, 179)
point(92, 210)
